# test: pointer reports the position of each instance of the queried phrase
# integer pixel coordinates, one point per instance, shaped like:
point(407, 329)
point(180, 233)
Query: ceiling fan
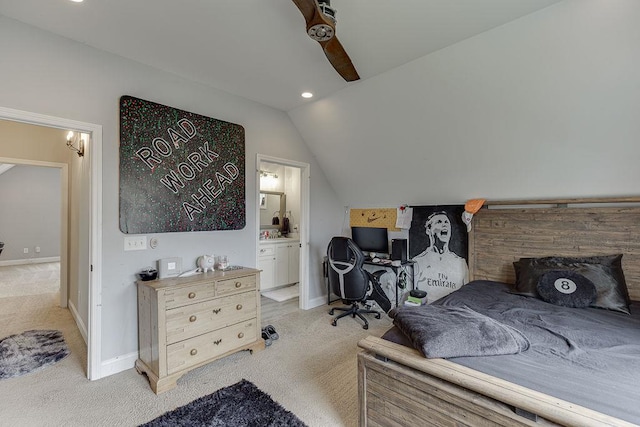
point(321, 26)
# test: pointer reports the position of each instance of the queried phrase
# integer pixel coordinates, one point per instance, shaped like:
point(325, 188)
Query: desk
point(396, 269)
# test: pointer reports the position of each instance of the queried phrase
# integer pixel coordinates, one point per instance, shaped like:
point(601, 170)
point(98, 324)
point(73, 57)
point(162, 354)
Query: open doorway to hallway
point(29, 300)
point(80, 252)
point(34, 214)
point(33, 227)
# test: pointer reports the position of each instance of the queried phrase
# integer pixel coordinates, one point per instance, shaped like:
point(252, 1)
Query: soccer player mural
point(438, 244)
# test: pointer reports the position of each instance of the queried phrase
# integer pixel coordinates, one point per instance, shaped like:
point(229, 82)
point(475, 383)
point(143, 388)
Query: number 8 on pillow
point(566, 288)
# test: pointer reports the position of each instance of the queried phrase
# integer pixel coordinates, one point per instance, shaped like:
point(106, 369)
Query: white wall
point(545, 106)
point(30, 199)
point(50, 75)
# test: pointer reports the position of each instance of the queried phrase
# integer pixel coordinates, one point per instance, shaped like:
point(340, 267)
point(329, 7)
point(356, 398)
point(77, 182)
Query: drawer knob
point(217, 342)
point(241, 335)
point(193, 352)
point(239, 307)
point(192, 319)
point(191, 295)
point(216, 310)
point(238, 284)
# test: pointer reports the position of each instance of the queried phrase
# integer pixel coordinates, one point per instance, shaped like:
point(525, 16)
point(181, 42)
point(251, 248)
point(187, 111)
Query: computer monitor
point(371, 239)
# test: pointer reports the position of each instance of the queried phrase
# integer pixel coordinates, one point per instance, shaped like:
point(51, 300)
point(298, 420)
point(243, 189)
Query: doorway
point(60, 222)
point(297, 220)
point(92, 241)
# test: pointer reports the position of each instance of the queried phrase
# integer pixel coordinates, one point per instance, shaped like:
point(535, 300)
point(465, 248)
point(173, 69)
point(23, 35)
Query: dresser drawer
point(195, 319)
point(188, 353)
point(239, 284)
point(177, 297)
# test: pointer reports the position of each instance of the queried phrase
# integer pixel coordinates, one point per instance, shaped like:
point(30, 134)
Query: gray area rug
point(30, 351)
point(241, 404)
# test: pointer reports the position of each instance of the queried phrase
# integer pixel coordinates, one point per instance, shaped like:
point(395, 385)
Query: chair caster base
point(354, 311)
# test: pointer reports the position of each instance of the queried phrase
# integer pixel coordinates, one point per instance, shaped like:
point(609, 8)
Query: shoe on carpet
point(266, 338)
point(271, 331)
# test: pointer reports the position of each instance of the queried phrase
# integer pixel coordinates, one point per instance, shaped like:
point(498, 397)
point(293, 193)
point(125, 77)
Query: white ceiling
point(258, 49)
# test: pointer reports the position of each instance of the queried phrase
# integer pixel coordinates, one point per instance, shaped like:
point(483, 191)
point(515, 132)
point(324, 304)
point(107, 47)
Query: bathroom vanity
point(279, 260)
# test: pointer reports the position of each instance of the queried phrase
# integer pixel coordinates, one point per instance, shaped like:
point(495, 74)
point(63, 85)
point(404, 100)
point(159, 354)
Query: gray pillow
point(566, 288)
point(605, 272)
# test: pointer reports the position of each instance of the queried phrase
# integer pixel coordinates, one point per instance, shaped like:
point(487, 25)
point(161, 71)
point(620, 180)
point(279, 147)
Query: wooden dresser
point(187, 322)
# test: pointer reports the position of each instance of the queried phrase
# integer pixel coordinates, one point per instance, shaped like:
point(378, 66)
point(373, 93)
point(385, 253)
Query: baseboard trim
point(29, 261)
point(118, 364)
point(76, 316)
point(317, 302)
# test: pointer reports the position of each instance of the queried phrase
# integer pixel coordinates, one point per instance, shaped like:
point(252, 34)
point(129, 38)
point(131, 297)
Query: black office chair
point(351, 282)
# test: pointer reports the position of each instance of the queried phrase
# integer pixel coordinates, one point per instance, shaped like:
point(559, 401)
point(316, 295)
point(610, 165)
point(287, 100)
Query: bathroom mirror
point(272, 205)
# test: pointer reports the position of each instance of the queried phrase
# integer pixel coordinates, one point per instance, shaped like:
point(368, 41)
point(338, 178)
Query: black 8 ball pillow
point(566, 288)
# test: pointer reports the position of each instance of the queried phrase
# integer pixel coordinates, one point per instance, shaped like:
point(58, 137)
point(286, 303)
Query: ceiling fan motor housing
point(327, 10)
point(320, 18)
point(321, 32)
point(324, 31)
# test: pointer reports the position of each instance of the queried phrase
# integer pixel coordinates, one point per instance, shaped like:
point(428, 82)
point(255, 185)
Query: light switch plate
point(135, 243)
point(169, 267)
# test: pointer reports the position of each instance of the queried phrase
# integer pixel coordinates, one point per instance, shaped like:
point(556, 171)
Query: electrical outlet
point(37, 249)
point(135, 243)
point(26, 250)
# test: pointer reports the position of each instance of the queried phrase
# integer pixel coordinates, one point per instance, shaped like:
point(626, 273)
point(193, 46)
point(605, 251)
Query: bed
point(399, 386)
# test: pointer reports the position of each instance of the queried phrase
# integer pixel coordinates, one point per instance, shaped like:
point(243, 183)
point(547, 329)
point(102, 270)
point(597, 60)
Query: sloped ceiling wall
point(544, 106)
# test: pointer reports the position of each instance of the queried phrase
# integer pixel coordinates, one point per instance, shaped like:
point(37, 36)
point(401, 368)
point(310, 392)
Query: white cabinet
point(267, 263)
point(280, 263)
point(294, 263)
point(287, 263)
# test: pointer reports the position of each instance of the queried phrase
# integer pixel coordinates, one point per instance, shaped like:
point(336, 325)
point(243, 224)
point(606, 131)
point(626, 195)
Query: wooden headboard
point(504, 231)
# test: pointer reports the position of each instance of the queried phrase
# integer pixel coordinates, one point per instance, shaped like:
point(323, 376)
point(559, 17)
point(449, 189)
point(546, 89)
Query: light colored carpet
point(311, 371)
point(29, 279)
point(283, 294)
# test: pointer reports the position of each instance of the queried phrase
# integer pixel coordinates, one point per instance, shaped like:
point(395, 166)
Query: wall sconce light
point(75, 138)
point(265, 174)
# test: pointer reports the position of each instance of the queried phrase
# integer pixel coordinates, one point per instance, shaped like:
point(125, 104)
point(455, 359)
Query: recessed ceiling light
point(77, 1)
point(307, 95)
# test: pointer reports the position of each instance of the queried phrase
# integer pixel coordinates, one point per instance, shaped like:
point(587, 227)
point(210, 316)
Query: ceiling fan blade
point(338, 57)
point(333, 49)
point(308, 8)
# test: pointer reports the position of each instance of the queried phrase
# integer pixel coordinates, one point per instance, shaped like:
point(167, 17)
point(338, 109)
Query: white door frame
point(94, 155)
point(305, 177)
point(64, 218)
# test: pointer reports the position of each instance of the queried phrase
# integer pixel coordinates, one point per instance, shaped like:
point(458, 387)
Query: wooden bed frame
point(398, 386)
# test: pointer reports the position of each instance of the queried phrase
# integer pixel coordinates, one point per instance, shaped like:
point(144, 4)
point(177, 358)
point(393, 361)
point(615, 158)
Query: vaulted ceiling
point(259, 49)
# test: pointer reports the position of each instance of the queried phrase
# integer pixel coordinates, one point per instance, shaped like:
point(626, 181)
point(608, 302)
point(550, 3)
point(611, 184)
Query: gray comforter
point(587, 356)
point(443, 331)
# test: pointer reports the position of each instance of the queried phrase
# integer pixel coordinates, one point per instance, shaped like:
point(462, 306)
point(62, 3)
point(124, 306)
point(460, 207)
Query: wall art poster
point(179, 171)
point(377, 217)
point(438, 243)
